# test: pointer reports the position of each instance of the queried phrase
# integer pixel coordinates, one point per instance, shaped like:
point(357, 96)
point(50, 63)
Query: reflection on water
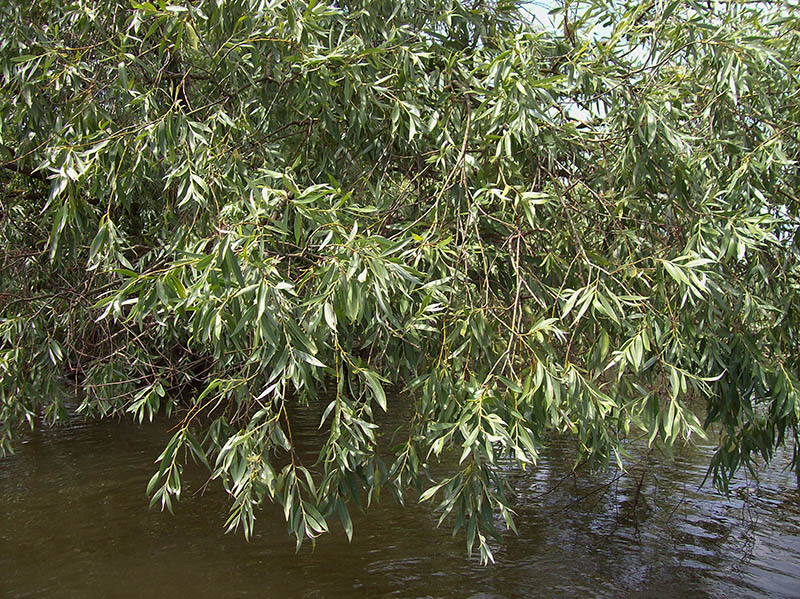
point(74, 522)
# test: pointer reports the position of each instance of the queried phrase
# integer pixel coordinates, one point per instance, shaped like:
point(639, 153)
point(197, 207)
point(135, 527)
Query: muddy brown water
point(74, 522)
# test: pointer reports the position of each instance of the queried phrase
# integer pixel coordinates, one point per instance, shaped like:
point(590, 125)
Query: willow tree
point(227, 210)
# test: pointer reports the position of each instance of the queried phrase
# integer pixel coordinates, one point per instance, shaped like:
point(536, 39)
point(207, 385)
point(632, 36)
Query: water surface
point(74, 522)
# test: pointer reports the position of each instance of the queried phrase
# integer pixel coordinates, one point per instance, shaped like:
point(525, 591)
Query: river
point(74, 522)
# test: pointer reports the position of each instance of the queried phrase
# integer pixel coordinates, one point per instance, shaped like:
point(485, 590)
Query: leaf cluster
point(229, 210)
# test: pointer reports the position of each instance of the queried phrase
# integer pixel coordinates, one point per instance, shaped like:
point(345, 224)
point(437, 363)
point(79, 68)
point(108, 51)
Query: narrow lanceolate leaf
point(330, 316)
point(377, 389)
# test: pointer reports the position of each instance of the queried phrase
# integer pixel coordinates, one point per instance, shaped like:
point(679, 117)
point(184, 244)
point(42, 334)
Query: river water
point(74, 522)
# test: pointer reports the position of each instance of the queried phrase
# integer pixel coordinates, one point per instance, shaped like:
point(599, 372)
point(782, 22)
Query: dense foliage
point(227, 210)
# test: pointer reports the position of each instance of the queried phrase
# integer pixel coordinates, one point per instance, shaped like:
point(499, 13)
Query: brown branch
point(15, 166)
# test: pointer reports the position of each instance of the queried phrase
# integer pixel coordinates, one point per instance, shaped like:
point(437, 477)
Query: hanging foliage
point(225, 210)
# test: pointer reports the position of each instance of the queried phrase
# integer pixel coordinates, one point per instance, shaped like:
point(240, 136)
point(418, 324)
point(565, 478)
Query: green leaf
point(375, 386)
point(330, 316)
